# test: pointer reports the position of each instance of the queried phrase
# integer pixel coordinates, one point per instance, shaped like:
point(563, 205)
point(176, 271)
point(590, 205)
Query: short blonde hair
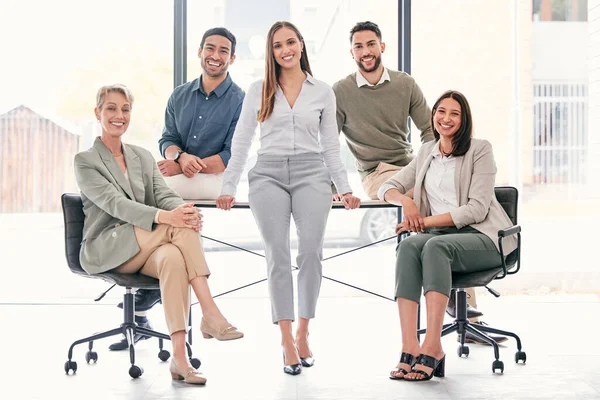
point(115, 88)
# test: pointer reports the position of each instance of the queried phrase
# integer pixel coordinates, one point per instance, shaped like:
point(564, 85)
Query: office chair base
point(128, 329)
point(462, 325)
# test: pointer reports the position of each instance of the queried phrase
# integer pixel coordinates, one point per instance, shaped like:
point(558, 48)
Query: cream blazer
point(474, 179)
point(113, 204)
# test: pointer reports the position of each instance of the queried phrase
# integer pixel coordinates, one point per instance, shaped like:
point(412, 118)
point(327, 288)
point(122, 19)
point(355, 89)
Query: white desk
point(336, 205)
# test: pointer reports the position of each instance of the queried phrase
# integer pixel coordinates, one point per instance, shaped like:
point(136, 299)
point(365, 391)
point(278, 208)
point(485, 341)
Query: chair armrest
point(502, 233)
point(509, 231)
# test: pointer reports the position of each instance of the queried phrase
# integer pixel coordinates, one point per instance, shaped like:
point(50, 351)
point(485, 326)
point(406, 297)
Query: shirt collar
point(309, 78)
point(219, 90)
point(361, 81)
point(435, 152)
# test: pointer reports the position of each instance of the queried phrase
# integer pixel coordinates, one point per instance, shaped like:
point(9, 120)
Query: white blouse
point(439, 183)
point(308, 127)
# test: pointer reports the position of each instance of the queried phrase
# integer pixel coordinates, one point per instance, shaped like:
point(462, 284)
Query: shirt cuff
point(383, 189)
point(156, 217)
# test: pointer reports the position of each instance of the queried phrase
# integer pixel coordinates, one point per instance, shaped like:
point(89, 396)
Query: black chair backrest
point(73, 218)
point(508, 197)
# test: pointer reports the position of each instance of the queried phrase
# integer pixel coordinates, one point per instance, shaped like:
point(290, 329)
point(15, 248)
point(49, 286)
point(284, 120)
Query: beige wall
point(468, 45)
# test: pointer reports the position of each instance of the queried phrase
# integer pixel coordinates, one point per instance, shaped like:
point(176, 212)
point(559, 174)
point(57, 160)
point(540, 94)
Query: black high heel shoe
point(307, 361)
point(293, 369)
point(438, 366)
point(405, 358)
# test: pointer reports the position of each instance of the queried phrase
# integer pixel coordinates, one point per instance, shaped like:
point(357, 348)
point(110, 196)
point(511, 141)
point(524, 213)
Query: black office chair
point(73, 219)
point(507, 197)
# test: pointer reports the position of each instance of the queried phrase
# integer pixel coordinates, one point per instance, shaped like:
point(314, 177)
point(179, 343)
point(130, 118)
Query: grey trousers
point(427, 260)
point(297, 186)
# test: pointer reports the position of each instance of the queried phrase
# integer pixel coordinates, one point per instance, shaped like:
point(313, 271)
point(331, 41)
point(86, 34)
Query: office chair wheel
point(70, 366)
point(520, 356)
point(91, 356)
point(164, 355)
point(135, 371)
point(497, 364)
point(195, 362)
point(460, 350)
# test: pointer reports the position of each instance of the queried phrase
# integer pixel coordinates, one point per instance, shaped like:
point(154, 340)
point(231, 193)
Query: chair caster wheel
point(195, 362)
point(135, 371)
point(498, 365)
point(70, 366)
point(164, 355)
point(520, 356)
point(91, 356)
point(460, 350)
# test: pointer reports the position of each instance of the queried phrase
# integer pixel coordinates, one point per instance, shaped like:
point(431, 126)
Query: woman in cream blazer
point(457, 216)
point(134, 223)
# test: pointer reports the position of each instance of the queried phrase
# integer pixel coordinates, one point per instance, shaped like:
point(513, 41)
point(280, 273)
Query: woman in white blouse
point(458, 217)
point(298, 158)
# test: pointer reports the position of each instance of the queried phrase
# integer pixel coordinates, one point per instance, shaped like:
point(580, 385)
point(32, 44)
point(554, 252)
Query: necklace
point(118, 155)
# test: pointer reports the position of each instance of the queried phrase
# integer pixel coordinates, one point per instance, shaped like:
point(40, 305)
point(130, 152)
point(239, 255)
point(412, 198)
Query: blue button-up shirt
point(202, 124)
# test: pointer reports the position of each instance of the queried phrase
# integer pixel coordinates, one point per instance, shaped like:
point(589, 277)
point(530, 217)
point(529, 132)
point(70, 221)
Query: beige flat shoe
point(190, 375)
point(226, 332)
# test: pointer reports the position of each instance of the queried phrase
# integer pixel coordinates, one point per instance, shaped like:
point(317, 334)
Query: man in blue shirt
point(200, 119)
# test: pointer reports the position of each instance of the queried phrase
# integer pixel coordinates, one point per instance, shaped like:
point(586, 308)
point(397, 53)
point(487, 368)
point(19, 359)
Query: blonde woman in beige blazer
point(457, 217)
point(134, 223)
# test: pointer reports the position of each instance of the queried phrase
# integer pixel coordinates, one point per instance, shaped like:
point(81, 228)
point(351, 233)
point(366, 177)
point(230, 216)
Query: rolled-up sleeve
point(170, 134)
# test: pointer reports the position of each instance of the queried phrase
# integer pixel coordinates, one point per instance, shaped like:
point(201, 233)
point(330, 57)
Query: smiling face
point(215, 56)
point(287, 48)
point(367, 50)
point(447, 117)
point(114, 114)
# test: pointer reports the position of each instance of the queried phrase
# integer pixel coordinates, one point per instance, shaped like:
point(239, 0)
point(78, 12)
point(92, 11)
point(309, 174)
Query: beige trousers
point(174, 256)
point(372, 182)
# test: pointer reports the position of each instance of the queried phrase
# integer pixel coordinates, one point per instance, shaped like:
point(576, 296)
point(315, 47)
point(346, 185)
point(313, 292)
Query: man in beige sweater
point(373, 107)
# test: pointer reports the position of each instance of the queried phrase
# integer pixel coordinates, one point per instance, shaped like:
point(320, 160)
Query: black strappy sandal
point(438, 366)
point(405, 358)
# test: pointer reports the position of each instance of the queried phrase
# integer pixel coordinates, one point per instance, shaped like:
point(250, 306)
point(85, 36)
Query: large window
point(325, 26)
point(527, 83)
point(56, 54)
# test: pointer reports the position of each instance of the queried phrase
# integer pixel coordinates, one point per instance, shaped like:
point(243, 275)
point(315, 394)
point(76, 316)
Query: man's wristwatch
point(177, 155)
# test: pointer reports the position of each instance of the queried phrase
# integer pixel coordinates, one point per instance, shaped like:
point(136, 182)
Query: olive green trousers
point(427, 260)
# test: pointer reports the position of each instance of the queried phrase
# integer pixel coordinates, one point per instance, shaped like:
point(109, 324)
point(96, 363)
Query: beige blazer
point(474, 179)
point(113, 204)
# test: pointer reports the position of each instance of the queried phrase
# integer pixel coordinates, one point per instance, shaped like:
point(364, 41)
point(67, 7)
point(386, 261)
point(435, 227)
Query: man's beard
point(220, 72)
point(377, 64)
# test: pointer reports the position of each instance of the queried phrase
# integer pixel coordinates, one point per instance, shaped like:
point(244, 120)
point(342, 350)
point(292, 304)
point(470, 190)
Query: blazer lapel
point(458, 177)
point(420, 196)
point(113, 167)
point(134, 170)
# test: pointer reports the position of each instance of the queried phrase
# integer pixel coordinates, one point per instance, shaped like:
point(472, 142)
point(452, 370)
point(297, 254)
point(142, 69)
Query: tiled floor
point(355, 341)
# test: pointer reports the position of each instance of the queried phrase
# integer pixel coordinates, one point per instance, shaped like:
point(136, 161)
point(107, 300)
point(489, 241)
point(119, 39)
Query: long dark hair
point(461, 141)
point(272, 70)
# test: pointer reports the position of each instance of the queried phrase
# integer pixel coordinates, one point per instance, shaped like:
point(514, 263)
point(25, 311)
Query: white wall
point(594, 91)
point(560, 51)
